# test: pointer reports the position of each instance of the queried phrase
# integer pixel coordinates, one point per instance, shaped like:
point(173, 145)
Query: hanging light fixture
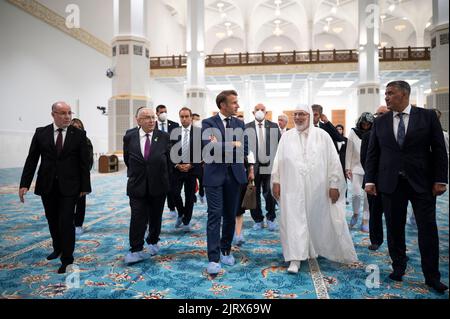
point(223, 15)
point(229, 31)
point(335, 7)
point(277, 30)
point(326, 28)
point(278, 10)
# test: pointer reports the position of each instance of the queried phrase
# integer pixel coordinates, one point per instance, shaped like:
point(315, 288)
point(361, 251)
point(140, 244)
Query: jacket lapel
point(155, 137)
point(220, 125)
point(69, 137)
point(51, 136)
point(390, 126)
point(412, 124)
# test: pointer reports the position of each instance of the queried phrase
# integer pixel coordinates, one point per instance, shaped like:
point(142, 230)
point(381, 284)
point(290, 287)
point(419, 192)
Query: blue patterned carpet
point(179, 270)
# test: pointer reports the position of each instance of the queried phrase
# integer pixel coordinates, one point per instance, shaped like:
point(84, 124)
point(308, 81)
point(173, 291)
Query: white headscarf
point(307, 109)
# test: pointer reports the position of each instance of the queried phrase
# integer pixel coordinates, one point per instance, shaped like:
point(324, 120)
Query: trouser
point(424, 208)
point(59, 211)
point(80, 211)
point(263, 181)
point(357, 195)
point(376, 219)
point(145, 210)
point(184, 210)
point(222, 203)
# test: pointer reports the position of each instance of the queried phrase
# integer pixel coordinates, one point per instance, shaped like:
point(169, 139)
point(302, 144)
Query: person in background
point(320, 120)
point(166, 125)
point(354, 170)
point(63, 177)
point(375, 203)
point(282, 123)
point(342, 148)
point(80, 207)
point(240, 117)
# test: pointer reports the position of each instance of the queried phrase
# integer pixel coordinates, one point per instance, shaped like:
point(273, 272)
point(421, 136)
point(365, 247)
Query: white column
point(439, 60)
point(311, 35)
point(195, 50)
point(131, 68)
point(310, 89)
point(369, 26)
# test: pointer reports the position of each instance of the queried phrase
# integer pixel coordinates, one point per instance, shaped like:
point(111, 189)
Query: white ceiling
point(252, 23)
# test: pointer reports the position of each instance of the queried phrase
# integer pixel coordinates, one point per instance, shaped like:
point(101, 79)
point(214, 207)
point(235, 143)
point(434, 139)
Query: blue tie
point(401, 130)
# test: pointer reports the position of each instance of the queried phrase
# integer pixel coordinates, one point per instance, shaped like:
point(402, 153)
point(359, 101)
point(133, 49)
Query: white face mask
point(162, 117)
point(197, 124)
point(260, 115)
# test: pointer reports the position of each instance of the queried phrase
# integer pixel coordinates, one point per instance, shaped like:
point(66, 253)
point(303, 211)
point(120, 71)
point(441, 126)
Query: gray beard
point(301, 128)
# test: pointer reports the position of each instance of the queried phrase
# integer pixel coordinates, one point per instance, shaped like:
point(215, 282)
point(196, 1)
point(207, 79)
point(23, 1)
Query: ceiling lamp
point(278, 48)
point(223, 15)
point(338, 30)
point(335, 8)
point(329, 46)
point(391, 7)
point(220, 35)
point(229, 31)
point(277, 30)
point(327, 27)
point(277, 10)
point(400, 27)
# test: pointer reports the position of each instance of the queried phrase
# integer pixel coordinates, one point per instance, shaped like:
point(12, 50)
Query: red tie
point(59, 141)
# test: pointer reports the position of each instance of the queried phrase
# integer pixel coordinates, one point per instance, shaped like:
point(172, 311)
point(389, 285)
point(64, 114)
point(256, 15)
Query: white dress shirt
point(143, 139)
point(166, 126)
point(55, 133)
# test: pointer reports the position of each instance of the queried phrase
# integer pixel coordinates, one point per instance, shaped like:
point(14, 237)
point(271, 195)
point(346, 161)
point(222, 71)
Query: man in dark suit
point(224, 172)
point(146, 155)
point(407, 161)
point(186, 161)
point(267, 135)
point(320, 120)
point(166, 125)
point(63, 177)
point(375, 202)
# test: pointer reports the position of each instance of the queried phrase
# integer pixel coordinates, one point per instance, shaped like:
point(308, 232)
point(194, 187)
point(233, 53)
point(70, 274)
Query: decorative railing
point(293, 57)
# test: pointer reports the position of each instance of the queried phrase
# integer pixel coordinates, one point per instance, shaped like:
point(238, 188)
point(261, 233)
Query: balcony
point(293, 57)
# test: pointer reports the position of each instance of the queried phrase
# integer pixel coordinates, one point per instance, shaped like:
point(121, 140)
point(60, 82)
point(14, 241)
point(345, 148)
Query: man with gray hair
point(407, 161)
point(321, 120)
point(282, 123)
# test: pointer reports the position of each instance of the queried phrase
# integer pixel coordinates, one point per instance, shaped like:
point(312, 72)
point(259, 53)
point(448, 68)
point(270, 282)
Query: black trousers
point(188, 181)
point(146, 210)
point(59, 211)
point(80, 211)
point(376, 219)
point(395, 210)
point(263, 182)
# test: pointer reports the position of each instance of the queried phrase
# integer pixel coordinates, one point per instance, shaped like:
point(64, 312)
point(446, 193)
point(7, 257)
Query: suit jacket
point(333, 132)
point(147, 177)
point(214, 174)
point(267, 126)
point(170, 125)
point(70, 170)
point(422, 158)
point(194, 159)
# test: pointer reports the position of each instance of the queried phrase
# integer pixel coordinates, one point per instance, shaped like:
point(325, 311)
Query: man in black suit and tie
point(320, 120)
point(267, 136)
point(407, 161)
point(186, 161)
point(146, 155)
point(166, 125)
point(62, 178)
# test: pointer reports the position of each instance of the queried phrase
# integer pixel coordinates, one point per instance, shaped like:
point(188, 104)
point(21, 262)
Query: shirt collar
point(55, 128)
point(142, 133)
point(405, 111)
point(263, 123)
point(222, 117)
point(187, 128)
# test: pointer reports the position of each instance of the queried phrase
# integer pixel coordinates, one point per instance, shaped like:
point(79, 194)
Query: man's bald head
point(146, 119)
point(381, 110)
point(62, 114)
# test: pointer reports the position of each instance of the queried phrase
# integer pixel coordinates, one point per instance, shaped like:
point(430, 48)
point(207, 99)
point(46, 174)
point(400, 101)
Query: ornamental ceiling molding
point(50, 17)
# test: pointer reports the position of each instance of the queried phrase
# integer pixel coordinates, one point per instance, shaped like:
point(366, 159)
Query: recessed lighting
point(277, 94)
point(329, 93)
point(277, 86)
point(338, 84)
point(220, 87)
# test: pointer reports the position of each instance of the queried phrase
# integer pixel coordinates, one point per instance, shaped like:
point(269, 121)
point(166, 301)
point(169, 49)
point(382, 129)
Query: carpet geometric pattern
point(179, 270)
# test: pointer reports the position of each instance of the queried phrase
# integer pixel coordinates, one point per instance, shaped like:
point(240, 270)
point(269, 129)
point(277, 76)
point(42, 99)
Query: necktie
point(228, 120)
point(162, 127)
point(185, 147)
point(59, 141)
point(261, 144)
point(147, 147)
point(401, 130)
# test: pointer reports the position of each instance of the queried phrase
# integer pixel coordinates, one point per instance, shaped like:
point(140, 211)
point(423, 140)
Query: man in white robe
point(308, 183)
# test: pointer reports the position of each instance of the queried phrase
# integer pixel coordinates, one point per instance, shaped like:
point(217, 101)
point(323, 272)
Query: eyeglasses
point(65, 113)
